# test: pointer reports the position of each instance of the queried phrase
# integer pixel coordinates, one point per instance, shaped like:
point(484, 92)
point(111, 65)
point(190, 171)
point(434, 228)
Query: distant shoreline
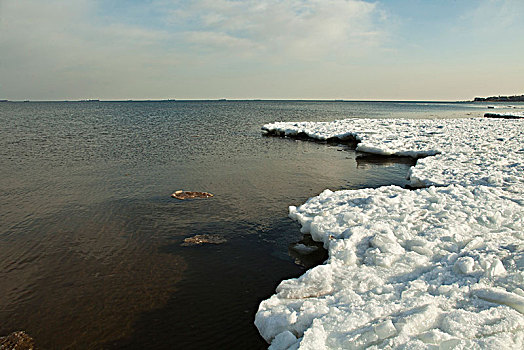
point(514, 98)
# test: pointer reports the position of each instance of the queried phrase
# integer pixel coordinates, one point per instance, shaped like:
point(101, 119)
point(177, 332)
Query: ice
point(304, 249)
point(466, 151)
point(284, 340)
point(439, 267)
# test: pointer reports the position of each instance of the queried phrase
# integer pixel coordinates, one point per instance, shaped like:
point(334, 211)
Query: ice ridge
point(439, 267)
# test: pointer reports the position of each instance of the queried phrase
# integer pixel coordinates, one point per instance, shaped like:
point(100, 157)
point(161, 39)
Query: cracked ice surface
point(437, 267)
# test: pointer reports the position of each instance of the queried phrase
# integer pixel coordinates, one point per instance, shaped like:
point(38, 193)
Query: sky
point(262, 49)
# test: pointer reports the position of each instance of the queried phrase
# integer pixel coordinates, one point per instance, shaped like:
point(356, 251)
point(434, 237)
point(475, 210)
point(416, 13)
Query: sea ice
point(304, 249)
point(439, 267)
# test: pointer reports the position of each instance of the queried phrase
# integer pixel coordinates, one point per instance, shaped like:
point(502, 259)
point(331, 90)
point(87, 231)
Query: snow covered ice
point(439, 267)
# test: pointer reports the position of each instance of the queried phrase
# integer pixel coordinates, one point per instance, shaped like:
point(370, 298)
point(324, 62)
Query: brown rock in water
point(17, 341)
point(202, 239)
point(190, 195)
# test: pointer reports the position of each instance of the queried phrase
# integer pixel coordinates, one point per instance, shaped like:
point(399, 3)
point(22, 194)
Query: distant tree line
point(500, 99)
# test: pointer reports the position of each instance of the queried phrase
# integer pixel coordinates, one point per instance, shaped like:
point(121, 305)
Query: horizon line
point(237, 100)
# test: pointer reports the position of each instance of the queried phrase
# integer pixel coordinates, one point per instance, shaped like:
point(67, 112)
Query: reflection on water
point(90, 239)
point(76, 278)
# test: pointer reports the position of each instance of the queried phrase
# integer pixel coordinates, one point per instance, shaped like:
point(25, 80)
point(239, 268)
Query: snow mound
point(437, 267)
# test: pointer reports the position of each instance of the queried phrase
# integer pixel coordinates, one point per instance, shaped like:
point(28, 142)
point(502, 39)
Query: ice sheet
point(437, 267)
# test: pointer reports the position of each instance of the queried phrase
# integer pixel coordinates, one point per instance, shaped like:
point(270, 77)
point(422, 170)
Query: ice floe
point(439, 267)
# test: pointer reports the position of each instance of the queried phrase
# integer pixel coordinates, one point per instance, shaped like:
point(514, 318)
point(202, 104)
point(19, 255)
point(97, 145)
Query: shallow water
point(90, 239)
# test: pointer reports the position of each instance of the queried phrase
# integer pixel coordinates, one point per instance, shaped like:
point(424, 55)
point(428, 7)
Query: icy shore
point(439, 267)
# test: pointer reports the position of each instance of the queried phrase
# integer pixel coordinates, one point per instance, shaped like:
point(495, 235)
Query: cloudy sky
point(268, 49)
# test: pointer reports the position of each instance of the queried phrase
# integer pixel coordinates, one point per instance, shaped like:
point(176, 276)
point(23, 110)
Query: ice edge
point(461, 245)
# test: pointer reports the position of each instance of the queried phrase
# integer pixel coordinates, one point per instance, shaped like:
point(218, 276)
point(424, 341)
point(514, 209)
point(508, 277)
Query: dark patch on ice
point(307, 252)
point(502, 116)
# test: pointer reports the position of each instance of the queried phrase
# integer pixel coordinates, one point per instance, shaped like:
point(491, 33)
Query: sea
point(92, 250)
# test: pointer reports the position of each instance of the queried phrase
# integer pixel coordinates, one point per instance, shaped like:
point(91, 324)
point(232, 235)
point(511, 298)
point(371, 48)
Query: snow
point(304, 249)
point(439, 267)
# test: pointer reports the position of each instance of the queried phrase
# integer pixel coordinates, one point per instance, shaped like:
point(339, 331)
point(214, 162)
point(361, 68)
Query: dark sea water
point(90, 239)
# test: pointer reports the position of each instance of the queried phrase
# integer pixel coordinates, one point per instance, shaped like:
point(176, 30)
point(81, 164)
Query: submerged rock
point(17, 341)
point(189, 195)
point(203, 239)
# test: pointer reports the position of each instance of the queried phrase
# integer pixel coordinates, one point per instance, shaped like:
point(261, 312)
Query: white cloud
point(300, 29)
point(61, 49)
point(71, 49)
point(213, 40)
point(491, 17)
